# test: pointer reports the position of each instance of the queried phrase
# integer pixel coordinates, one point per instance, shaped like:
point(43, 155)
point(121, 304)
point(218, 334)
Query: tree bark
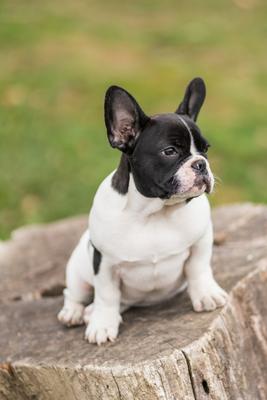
point(164, 352)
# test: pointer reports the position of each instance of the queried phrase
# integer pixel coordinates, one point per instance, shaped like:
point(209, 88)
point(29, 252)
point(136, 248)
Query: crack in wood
point(116, 383)
point(190, 373)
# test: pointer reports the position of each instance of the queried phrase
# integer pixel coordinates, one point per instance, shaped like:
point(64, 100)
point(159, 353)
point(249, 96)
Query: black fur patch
point(97, 257)
point(188, 200)
point(120, 179)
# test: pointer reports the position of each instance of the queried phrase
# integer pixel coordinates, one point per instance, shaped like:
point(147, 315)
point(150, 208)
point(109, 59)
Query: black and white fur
point(150, 231)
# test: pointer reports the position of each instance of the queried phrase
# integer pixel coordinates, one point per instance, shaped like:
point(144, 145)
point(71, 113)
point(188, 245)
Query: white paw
point(89, 309)
point(103, 326)
point(208, 296)
point(71, 314)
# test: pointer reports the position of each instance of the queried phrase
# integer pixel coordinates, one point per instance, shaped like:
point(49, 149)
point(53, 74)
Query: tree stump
point(163, 352)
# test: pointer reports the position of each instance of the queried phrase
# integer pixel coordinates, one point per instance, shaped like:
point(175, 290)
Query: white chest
point(131, 238)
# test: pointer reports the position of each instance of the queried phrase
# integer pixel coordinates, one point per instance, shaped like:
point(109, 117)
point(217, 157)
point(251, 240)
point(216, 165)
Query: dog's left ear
point(193, 99)
point(124, 119)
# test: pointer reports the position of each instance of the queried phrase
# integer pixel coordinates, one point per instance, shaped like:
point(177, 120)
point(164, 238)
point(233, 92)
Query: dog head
point(166, 153)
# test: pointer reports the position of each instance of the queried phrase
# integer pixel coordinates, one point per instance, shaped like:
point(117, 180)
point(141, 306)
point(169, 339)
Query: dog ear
point(124, 119)
point(193, 99)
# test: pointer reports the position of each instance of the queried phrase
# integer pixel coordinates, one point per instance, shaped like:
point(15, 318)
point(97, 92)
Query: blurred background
point(57, 59)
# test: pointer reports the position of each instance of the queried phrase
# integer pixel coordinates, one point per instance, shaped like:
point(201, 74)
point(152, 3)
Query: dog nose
point(199, 165)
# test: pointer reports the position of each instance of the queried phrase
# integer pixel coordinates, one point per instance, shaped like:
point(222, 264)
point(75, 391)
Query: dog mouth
point(201, 184)
point(208, 189)
point(204, 181)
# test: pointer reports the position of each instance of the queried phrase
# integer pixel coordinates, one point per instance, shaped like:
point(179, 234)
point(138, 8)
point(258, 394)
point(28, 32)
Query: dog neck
point(145, 206)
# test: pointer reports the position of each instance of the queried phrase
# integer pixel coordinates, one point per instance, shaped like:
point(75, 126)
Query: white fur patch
point(193, 149)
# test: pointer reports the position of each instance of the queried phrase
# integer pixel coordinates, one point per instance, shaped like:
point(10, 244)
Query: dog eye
point(169, 151)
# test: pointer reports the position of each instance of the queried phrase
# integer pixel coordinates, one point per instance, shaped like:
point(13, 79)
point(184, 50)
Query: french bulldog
point(150, 230)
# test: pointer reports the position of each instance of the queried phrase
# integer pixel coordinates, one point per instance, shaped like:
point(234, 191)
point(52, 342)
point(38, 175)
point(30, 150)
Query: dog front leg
point(105, 317)
point(204, 291)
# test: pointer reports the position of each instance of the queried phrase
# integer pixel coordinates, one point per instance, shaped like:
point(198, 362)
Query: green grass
point(58, 57)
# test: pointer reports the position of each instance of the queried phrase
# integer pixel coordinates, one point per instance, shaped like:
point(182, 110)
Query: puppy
point(150, 230)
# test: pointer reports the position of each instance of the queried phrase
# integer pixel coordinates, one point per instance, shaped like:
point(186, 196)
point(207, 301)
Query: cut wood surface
point(163, 352)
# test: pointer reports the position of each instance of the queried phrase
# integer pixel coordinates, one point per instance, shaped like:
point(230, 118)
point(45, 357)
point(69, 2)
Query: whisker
point(217, 179)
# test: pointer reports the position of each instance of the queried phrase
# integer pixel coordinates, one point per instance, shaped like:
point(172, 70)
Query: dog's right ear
point(193, 99)
point(124, 119)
